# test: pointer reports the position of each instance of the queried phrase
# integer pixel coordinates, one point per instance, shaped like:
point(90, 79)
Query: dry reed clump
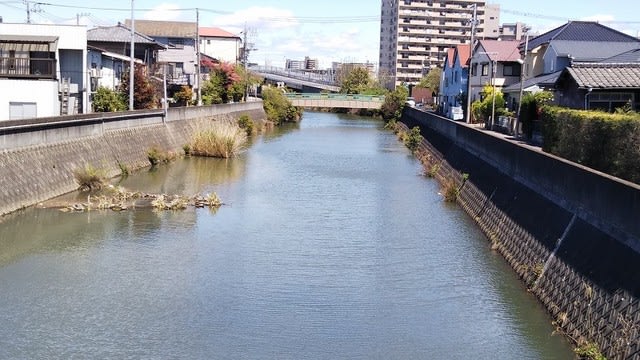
point(222, 140)
point(90, 178)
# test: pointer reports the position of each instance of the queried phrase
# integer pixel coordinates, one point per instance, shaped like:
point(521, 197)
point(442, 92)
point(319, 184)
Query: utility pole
point(198, 72)
point(522, 69)
point(474, 22)
point(28, 4)
point(78, 15)
point(245, 58)
point(132, 62)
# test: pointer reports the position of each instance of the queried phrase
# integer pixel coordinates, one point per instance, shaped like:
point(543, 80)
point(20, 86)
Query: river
point(330, 245)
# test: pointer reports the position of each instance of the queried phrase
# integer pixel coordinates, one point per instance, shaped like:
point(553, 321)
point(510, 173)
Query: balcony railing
point(32, 68)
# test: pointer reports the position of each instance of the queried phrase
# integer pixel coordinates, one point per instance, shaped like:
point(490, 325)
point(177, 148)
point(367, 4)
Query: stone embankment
point(38, 157)
point(570, 233)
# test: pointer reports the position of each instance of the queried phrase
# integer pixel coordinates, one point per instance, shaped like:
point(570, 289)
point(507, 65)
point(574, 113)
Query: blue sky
point(329, 30)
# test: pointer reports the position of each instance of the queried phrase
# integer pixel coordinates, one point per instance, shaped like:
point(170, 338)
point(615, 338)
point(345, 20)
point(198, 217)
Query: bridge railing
point(324, 78)
point(342, 97)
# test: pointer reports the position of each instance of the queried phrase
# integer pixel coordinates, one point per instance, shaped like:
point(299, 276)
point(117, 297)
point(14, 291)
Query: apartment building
point(415, 34)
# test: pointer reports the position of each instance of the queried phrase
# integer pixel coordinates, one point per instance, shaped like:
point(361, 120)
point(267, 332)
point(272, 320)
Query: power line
point(559, 18)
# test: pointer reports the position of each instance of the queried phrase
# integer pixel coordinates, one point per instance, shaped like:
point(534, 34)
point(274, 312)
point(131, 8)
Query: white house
point(220, 44)
point(43, 70)
point(495, 63)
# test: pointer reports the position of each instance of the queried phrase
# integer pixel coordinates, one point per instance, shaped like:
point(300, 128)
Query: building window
point(609, 101)
point(474, 70)
point(485, 69)
point(511, 70)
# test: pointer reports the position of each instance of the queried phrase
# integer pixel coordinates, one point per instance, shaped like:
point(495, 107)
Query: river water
point(331, 245)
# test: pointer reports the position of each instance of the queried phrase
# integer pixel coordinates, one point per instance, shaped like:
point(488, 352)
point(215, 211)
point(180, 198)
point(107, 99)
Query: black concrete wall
point(525, 201)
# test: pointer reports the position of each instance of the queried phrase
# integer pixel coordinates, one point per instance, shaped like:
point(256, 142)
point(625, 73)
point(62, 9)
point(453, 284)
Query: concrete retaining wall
point(38, 157)
point(568, 231)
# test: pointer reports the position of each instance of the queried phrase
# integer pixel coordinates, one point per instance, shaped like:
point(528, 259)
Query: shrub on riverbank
point(245, 122)
point(606, 142)
point(278, 108)
point(412, 139)
point(90, 178)
point(157, 156)
point(223, 140)
point(391, 109)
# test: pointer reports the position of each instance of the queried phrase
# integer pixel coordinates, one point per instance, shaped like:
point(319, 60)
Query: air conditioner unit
point(95, 73)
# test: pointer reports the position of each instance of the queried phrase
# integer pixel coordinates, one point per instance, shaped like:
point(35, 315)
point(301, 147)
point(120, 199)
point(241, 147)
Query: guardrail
point(343, 97)
point(318, 77)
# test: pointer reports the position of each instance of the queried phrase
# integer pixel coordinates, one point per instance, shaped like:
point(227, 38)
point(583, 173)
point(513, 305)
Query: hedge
point(606, 142)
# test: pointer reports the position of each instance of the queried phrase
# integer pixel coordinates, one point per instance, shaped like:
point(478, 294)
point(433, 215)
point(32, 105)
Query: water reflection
point(332, 245)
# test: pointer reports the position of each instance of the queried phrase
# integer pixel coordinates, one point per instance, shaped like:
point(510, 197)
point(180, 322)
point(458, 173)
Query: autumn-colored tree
point(144, 95)
point(222, 85)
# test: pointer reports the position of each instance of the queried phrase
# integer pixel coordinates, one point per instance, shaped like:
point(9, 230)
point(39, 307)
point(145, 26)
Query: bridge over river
point(348, 101)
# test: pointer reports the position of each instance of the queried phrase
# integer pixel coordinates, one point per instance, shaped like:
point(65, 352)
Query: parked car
point(411, 102)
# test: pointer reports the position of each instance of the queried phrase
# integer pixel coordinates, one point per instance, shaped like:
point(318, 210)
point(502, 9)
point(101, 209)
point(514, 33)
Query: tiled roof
point(176, 29)
point(632, 56)
point(605, 76)
point(449, 57)
point(464, 51)
point(581, 31)
point(590, 51)
point(498, 50)
point(216, 32)
point(118, 33)
point(542, 81)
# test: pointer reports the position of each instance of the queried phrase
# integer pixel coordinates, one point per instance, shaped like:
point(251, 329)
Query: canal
point(331, 245)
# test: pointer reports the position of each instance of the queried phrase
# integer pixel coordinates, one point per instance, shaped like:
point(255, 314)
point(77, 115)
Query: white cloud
point(603, 18)
point(262, 18)
point(165, 12)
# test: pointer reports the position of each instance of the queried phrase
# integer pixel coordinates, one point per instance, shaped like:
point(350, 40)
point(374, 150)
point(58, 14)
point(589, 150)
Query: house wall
point(536, 62)
point(223, 49)
point(455, 86)
point(553, 61)
point(42, 92)
point(71, 52)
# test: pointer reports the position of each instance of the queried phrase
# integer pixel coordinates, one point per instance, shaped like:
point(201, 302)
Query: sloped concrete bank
point(53, 148)
point(570, 233)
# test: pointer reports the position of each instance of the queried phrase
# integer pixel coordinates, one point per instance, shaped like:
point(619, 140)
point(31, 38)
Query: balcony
point(27, 68)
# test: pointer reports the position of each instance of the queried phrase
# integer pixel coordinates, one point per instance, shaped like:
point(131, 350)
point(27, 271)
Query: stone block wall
point(36, 173)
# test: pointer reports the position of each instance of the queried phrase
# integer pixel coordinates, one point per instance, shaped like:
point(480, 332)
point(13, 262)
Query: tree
point(391, 109)
point(482, 109)
point(432, 80)
point(144, 96)
point(278, 108)
point(107, 100)
point(222, 85)
point(356, 81)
